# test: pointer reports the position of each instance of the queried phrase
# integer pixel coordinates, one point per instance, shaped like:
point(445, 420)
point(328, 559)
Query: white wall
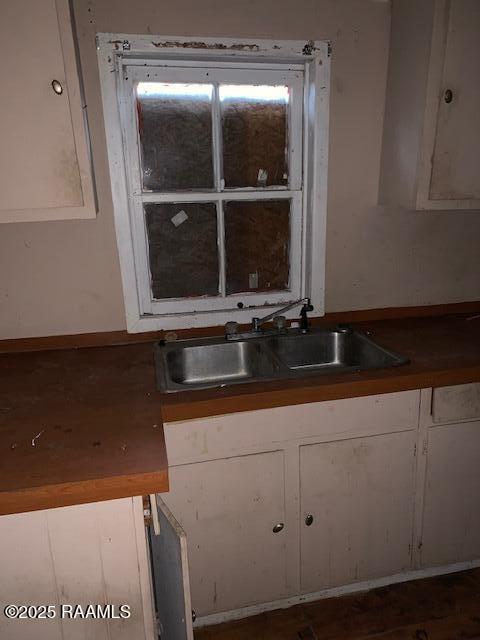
point(63, 277)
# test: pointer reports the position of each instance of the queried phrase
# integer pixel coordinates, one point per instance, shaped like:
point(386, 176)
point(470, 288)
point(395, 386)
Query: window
point(215, 186)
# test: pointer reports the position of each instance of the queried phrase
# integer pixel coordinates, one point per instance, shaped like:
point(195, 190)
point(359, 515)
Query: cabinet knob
point(278, 527)
point(448, 96)
point(57, 87)
point(194, 615)
point(308, 519)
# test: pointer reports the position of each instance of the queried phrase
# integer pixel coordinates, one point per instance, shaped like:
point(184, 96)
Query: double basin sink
point(216, 362)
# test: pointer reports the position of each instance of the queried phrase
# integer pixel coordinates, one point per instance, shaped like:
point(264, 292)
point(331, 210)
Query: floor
point(441, 608)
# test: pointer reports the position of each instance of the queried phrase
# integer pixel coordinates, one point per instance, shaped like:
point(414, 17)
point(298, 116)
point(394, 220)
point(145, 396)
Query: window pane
point(182, 244)
point(255, 135)
point(257, 245)
point(175, 129)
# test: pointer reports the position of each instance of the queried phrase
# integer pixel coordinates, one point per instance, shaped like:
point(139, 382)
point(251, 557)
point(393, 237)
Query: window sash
point(294, 79)
point(132, 74)
point(217, 303)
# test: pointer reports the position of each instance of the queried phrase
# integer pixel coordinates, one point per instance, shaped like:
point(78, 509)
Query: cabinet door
point(360, 495)
point(228, 509)
point(451, 515)
point(456, 156)
point(170, 575)
point(44, 162)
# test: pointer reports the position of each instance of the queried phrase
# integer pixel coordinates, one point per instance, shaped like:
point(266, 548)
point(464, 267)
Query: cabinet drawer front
point(457, 403)
point(222, 436)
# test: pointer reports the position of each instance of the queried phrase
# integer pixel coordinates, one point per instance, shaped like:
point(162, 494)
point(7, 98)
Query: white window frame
point(122, 61)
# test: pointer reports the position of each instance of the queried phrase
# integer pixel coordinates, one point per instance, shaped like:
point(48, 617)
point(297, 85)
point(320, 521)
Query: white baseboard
point(356, 587)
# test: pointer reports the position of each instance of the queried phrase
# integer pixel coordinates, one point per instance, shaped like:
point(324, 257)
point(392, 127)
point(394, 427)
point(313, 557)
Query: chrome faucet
point(257, 322)
point(231, 328)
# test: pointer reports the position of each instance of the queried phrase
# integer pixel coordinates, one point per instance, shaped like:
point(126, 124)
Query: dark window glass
point(254, 135)
point(182, 245)
point(257, 245)
point(175, 128)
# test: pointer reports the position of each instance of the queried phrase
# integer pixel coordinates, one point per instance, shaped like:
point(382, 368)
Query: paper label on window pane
point(262, 177)
point(179, 218)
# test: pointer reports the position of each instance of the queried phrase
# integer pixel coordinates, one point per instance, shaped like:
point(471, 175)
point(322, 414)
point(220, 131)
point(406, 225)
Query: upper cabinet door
point(431, 138)
point(456, 157)
point(45, 171)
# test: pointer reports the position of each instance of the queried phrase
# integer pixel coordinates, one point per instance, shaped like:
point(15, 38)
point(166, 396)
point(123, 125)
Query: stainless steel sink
point(331, 350)
point(190, 364)
point(213, 362)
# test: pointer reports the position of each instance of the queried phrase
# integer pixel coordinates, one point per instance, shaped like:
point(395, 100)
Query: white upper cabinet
point(45, 171)
point(431, 141)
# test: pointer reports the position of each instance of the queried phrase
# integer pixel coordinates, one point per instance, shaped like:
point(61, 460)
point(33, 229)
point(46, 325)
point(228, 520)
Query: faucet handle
point(280, 323)
point(231, 328)
point(256, 324)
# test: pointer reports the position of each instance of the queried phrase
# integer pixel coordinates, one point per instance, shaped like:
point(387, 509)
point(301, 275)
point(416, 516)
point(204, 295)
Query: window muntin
point(181, 88)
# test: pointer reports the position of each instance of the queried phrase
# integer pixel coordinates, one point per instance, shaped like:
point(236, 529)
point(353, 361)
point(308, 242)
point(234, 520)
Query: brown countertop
point(79, 425)
point(442, 351)
point(82, 425)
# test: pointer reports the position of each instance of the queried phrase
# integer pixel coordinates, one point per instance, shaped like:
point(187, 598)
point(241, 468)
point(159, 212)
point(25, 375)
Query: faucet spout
point(307, 306)
point(231, 328)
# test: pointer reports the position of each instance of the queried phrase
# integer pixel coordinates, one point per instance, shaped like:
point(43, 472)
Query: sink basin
point(331, 350)
point(214, 362)
point(206, 364)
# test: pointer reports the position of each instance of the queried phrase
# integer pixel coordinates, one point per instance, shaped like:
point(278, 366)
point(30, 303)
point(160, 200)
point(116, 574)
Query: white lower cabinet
point(357, 504)
point(243, 486)
point(451, 515)
point(87, 554)
point(233, 511)
point(266, 506)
